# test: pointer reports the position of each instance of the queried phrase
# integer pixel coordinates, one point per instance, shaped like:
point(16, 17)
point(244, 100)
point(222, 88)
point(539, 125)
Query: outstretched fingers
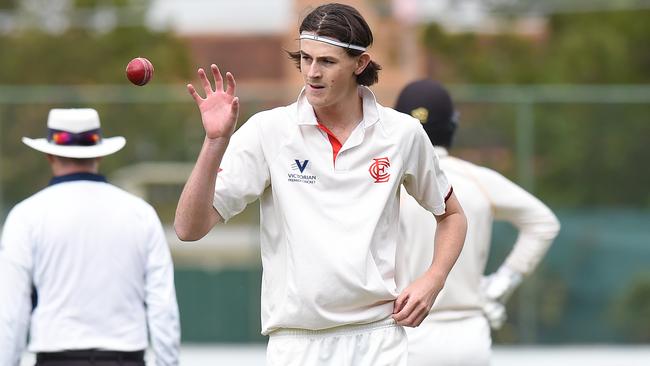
point(231, 85)
point(234, 106)
point(218, 83)
point(194, 94)
point(218, 80)
point(234, 109)
point(205, 82)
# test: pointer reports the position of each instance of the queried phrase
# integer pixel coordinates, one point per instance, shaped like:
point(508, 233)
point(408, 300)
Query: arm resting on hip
point(414, 303)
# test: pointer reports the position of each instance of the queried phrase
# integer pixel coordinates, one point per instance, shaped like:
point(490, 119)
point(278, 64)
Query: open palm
point(219, 109)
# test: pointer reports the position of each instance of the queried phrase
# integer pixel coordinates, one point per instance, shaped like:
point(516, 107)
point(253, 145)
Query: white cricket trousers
point(381, 343)
point(459, 342)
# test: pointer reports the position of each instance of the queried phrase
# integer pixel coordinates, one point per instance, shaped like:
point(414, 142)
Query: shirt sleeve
point(160, 298)
point(536, 223)
point(244, 172)
point(424, 180)
point(15, 288)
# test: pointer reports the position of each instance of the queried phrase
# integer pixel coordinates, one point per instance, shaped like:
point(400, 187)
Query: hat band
point(65, 138)
point(331, 41)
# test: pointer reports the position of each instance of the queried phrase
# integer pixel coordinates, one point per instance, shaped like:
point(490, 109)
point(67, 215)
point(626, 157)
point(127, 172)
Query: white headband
point(331, 41)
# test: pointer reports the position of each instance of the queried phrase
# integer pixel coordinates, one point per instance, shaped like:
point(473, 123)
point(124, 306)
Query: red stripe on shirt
point(451, 190)
point(336, 145)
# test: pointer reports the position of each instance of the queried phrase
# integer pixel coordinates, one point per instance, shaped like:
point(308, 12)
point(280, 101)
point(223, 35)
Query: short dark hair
point(343, 23)
point(76, 161)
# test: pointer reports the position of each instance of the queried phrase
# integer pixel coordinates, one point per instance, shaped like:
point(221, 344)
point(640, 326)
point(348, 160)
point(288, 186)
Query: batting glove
point(497, 288)
point(499, 285)
point(495, 312)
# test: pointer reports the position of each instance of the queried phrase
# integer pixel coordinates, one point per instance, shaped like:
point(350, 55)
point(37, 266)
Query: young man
point(327, 170)
point(457, 330)
point(96, 257)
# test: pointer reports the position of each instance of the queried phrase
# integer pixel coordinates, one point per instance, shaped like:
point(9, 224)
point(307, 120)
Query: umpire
point(96, 257)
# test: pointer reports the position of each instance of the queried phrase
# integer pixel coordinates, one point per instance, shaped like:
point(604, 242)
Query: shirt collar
point(440, 151)
point(306, 115)
point(77, 176)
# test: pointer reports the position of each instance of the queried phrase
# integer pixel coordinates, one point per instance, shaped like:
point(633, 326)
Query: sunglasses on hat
point(86, 138)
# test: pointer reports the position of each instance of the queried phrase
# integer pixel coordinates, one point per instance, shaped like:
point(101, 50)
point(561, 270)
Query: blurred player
point(96, 256)
point(457, 330)
point(327, 170)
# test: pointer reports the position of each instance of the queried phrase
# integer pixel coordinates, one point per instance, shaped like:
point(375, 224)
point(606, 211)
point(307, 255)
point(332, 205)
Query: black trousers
point(90, 358)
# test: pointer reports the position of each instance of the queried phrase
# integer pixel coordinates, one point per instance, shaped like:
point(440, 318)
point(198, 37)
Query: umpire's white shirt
point(102, 269)
point(485, 196)
point(328, 227)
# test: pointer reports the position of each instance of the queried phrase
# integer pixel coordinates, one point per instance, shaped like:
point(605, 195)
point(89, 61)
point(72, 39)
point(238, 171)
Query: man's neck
point(66, 170)
point(342, 118)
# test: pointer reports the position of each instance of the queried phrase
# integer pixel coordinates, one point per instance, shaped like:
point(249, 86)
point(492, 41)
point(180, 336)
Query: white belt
point(349, 329)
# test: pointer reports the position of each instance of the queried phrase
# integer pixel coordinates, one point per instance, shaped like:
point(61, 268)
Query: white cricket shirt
point(485, 196)
point(328, 226)
point(100, 263)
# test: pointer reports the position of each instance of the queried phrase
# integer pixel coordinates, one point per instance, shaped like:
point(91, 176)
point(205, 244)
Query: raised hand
point(219, 109)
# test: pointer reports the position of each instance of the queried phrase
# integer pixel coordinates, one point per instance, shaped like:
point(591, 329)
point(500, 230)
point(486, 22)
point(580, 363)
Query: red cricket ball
point(139, 71)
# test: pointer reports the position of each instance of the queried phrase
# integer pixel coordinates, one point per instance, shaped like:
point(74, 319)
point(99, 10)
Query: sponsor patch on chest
point(300, 172)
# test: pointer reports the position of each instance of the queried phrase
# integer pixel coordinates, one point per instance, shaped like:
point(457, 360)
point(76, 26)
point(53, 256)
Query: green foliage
point(600, 48)
point(592, 154)
point(83, 57)
point(467, 57)
point(585, 154)
point(7, 4)
point(93, 3)
point(607, 47)
point(154, 131)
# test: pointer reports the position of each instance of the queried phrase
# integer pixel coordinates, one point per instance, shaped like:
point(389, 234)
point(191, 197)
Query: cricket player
point(96, 256)
point(327, 170)
point(457, 330)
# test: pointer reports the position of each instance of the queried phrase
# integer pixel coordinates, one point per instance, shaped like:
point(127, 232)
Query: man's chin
point(315, 101)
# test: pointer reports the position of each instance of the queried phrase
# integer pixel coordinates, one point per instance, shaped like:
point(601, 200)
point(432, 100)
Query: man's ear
point(362, 63)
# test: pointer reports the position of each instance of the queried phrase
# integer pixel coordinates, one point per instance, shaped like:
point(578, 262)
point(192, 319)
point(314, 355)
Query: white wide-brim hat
point(74, 125)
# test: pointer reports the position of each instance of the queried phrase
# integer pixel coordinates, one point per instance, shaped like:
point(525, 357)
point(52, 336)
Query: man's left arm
point(414, 303)
point(426, 182)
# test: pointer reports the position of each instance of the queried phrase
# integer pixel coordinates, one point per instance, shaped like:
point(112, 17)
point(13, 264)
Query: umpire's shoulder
point(129, 201)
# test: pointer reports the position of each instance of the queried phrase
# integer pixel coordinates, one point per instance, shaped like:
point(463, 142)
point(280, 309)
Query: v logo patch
point(301, 166)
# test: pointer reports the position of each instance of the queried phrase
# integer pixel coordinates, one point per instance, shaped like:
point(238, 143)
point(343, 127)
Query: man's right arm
point(195, 215)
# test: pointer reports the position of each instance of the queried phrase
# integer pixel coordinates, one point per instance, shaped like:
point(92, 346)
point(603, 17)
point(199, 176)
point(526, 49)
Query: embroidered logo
point(300, 166)
point(301, 177)
point(422, 114)
point(379, 170)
